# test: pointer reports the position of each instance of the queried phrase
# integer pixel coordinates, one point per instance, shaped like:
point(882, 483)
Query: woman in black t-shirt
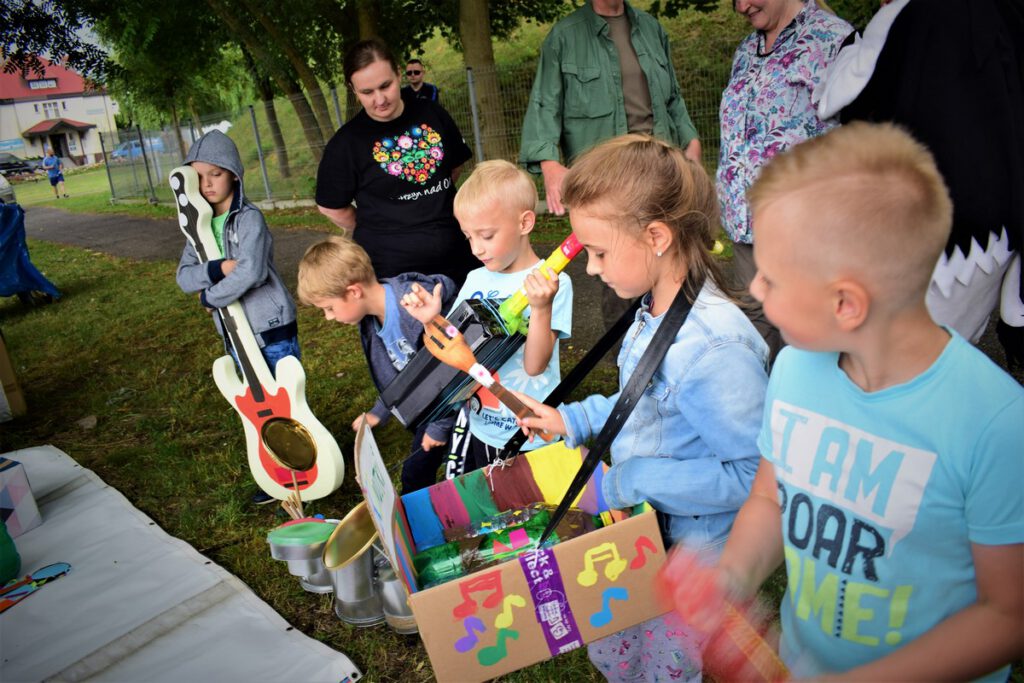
point(398, 160)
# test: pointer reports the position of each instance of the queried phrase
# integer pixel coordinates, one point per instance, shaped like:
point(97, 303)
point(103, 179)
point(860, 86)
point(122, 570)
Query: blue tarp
point(17, 274)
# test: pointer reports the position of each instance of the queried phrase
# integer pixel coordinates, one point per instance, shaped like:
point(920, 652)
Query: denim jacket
point(689, 446)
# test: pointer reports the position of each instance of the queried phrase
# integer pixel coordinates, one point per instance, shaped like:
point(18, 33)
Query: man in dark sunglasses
point(418, 89)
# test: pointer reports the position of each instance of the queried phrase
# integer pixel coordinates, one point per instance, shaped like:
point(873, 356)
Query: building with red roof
point(59, 109)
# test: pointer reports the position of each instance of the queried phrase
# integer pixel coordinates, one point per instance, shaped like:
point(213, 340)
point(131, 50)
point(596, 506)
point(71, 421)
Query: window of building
point(42, 84)
point(51, 110)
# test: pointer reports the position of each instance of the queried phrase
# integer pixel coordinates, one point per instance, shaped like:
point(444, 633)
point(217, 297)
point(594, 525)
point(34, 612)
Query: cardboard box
point(12, 398)
point(527, 609)
point(17, 504)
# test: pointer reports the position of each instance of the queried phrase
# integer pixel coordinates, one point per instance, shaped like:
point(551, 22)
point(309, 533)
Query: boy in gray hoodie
point(246, 273)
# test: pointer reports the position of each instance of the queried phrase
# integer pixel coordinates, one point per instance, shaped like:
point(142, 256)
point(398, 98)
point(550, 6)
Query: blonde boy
point(336, 276)
point(891, 446)
point(495, 209)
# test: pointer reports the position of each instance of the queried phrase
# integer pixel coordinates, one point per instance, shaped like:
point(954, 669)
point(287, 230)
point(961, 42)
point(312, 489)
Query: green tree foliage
point(672, 8)
point(30, 29)
point(154, 69)
point(857, 12)
point(505, 16)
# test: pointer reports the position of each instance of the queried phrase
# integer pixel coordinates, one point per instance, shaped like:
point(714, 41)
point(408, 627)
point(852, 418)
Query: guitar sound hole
point(288, 443)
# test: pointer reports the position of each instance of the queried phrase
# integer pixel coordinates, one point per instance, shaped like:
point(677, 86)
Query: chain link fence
point(281, 141)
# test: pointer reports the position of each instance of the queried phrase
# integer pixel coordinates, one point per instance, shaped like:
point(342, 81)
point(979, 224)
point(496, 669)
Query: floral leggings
point(661, 649)
point(657, 650)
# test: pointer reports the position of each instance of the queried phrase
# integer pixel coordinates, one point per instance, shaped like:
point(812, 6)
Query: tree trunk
point(475, 34)
point(285, 81)
point(266, 95)
point(197, 122)
point(176, 123)
point(350, 34)
point(280, 151)
point(298, 62)
point(368, 13)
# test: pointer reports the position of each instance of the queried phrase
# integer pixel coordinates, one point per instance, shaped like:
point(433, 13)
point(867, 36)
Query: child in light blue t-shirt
point(495, 209)
point(890, 483)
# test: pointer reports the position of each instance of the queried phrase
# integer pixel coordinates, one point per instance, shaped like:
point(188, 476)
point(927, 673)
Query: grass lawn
point(167, 439)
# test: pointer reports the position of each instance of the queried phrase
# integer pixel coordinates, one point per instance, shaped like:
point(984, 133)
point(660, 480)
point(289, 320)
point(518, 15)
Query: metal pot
point(397, 612)
point(301, 545)
point(348, 560)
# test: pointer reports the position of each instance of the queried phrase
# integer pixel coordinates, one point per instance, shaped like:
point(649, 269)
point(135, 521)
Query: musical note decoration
point(605, 551)
point(642, 546)
point(473, 625)
point(505, 619)
point(489, 656)
point(491, 581)
point(604, 616)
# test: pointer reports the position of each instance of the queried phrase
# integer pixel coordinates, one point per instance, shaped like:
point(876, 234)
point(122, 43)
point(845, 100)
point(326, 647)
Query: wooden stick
point(295, 492)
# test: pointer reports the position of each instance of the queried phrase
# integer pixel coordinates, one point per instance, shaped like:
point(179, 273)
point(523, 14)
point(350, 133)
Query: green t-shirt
point(218, 230)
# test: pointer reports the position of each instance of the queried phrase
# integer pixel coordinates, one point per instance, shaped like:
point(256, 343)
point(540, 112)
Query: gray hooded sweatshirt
point(267, 303)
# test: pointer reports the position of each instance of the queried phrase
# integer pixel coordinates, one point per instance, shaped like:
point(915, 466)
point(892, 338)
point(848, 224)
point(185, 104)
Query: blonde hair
point(497, 180)
point(874, 202)
point(639, 180)
point(329, 267)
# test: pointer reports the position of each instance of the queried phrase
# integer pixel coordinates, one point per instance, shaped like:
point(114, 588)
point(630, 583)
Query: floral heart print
point(414, 155)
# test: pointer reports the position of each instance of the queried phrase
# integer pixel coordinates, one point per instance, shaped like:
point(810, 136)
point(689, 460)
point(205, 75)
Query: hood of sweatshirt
point(218, 149)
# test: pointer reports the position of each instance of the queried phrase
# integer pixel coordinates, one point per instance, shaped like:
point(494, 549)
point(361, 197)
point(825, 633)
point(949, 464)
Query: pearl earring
point(658, 253)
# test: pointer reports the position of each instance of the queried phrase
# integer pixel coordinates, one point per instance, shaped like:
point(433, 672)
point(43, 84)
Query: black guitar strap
point(572, 380)
point(635, 387)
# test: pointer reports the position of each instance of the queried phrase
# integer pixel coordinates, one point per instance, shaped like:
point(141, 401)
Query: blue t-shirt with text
point(882, 496)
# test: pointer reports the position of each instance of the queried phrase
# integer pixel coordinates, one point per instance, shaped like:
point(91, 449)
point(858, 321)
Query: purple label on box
point(551, 603)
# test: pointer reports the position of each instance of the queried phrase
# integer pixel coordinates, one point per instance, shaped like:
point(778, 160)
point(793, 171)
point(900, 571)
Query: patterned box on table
point(17, 504)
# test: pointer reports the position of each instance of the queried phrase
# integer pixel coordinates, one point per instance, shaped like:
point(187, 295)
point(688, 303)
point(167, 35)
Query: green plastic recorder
point(511, 309)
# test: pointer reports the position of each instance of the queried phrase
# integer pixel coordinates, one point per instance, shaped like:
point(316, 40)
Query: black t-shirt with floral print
point(399, 173)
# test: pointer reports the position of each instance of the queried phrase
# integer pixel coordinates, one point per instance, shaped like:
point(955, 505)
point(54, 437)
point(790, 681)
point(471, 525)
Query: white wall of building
point(18, 117)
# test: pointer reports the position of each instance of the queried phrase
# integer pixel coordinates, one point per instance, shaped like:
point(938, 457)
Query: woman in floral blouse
point(766, 108)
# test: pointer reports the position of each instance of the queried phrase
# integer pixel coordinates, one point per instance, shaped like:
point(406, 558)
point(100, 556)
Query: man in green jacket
point(605, 70)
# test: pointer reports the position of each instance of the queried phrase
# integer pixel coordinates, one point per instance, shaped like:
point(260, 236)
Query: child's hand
point(429, 443)
point(696, 589)
point(540, 291)
point(208, 309)
point(421, 304)
point(227, 265)
point(371, 419)
point(548, 420)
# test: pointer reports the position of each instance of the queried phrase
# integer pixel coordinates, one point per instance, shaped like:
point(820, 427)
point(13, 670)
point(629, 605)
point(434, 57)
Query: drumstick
point(736, 649)
point(511, 309)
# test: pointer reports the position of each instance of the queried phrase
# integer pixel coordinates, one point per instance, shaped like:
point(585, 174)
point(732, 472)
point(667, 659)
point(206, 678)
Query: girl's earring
point(658, 253)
